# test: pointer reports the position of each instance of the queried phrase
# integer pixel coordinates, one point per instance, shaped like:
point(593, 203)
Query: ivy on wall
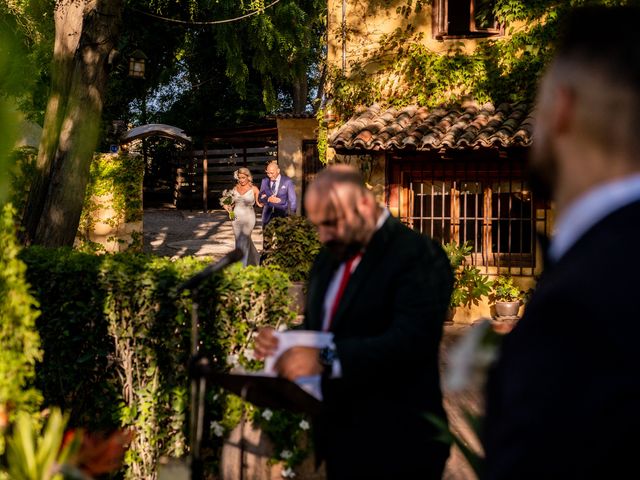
point(404, 71)
point(115, 182)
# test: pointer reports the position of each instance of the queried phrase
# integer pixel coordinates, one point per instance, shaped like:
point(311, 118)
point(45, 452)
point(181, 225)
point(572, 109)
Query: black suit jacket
point(387, 331)
point(564, 398)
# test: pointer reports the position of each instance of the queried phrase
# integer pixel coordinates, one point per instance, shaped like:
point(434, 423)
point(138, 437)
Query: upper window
point(464, 18)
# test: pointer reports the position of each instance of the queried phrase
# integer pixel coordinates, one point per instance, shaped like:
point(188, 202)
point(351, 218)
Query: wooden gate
point(204, 174)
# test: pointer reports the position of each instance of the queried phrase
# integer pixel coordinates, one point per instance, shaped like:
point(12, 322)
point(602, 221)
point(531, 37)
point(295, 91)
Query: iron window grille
point(484, 203)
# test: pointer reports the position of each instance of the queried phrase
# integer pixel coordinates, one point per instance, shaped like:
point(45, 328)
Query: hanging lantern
point(137, 61)
point(330, 116)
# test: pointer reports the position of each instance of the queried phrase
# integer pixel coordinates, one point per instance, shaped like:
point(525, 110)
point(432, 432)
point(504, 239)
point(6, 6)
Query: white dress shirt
point(275, 189)
point(589, 209)
point(332, 291)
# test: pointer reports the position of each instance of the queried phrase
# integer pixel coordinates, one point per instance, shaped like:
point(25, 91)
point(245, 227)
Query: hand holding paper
point(295, 338)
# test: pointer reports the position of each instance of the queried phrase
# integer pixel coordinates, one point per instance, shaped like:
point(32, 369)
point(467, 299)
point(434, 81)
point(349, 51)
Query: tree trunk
point(300, 92)
point(86, 33)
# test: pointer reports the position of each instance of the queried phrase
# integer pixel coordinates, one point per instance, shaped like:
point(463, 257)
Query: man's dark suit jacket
point(387, 331)
point(564, 398)
point(287, 195)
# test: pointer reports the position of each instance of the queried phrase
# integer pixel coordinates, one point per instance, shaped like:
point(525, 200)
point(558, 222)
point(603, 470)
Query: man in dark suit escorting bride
point(277, 194)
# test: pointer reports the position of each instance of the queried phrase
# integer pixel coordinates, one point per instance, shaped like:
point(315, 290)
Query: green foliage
point(504, 290)
point(23, 162)
point(291, 243)
point(26, 49)
point(291, 444)
point(19, 340)
point(322, 137)
point(473, 458)
point(218, 75)
point(38, 455)
point(116, 182)
point(117, 341)
point(470, 285)
point(499, 70)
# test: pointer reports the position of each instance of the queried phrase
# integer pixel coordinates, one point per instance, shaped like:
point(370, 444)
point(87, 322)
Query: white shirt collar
point(382, 218)
point(589, 209)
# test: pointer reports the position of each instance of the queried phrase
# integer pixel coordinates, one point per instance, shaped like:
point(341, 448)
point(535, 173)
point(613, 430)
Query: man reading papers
point(383, 291)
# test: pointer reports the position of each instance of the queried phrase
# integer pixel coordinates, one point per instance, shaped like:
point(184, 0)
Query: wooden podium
point(268, 391)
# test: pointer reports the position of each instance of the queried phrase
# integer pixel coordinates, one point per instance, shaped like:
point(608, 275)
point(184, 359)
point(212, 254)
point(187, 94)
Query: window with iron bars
point(486, 204)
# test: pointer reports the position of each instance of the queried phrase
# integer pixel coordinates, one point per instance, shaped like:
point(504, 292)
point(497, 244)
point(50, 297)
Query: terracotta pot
point(297, 296)
point(507, 309)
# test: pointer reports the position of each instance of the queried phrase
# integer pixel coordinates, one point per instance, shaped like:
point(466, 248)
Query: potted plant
point(506, 295)
point(469, 285)
point(291, 243)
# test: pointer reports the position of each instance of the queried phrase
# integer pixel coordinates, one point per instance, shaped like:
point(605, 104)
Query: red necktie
point(346, 274)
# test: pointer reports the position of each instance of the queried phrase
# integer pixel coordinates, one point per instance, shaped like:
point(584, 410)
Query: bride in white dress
point(245, 196)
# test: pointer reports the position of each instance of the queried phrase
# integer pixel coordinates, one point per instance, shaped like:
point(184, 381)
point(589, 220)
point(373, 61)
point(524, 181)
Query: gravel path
point(177, 233)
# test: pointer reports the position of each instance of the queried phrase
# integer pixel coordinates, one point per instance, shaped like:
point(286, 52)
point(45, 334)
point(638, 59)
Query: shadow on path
point(177, 233)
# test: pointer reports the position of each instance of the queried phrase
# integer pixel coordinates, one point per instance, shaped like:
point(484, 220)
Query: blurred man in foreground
point(563, 398)
point(383, 290)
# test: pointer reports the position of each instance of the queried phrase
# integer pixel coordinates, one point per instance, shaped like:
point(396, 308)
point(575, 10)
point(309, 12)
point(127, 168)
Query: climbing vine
point(403, 70)
point(115, 182)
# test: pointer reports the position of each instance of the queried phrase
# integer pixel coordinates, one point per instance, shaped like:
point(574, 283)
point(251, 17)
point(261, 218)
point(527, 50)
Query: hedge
point(116, 342)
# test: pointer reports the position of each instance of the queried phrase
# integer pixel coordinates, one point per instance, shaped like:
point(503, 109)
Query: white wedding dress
point(243, 223)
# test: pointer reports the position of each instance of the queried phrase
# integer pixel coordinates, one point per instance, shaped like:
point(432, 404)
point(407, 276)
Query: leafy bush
point(19, 340)
point(23, 171)
point(117, 342)
point(291, 243)
point(504, 290)
point(470, 285)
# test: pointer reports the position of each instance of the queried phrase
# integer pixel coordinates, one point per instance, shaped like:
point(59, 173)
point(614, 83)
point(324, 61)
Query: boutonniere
point(283, 187)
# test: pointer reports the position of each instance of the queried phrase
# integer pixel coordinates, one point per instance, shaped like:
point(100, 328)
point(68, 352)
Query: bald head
point(343, 210)
point(588, 105)
point(603, 73)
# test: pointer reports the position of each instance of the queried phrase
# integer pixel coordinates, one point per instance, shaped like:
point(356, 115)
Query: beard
point(341, 251)
point(542, 169)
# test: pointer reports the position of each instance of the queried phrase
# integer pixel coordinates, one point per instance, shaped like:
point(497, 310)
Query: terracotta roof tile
point(470, 125)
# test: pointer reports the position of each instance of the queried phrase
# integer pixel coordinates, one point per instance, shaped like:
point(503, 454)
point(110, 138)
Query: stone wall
point(291, 133)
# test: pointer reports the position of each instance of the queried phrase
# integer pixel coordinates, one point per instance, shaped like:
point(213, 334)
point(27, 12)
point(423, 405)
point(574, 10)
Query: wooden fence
point(202, 175)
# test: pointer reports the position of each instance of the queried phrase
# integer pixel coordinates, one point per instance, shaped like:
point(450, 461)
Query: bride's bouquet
point(226, 199)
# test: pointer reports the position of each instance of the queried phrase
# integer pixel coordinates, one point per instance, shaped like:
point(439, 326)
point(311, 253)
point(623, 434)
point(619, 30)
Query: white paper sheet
point(300, 338)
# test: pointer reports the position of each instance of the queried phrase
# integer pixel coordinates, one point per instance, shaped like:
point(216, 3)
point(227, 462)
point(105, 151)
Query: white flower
point(218, 430)
point(304, 425)
point(232, 360)
point(249, 354)
point(267, 414)
point(288, 473)
point(286, 454)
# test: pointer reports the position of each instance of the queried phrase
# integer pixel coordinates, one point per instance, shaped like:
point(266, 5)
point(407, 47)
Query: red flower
point(99, 454)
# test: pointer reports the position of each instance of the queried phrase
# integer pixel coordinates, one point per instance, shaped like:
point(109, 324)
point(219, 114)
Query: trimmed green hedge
point(117, 342)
